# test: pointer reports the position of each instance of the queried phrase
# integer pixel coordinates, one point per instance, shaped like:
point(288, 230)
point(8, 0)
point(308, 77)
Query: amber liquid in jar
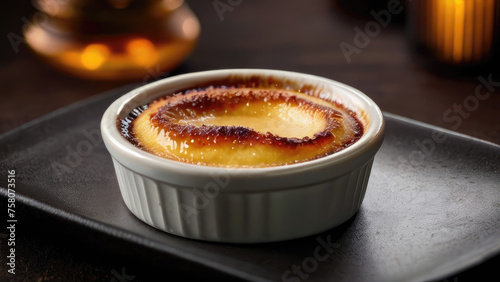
point(113, 39)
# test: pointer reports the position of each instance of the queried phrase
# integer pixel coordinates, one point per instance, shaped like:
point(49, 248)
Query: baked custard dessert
point(242, 125)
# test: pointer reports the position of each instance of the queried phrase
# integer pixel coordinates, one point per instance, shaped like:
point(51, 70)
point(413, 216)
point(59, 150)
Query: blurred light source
point(142, 52)
point(94, 55)
point(456, 32)
point(113, 39)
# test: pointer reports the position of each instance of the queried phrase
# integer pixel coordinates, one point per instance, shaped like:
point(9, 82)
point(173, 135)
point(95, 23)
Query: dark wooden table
point(290, 35)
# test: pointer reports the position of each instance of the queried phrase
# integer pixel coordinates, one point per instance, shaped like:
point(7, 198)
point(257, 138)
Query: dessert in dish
point(314, 141)
point(243, 123)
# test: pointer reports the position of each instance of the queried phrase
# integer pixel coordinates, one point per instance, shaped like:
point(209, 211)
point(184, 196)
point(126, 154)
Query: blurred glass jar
point(113, 39)
point(456, 32)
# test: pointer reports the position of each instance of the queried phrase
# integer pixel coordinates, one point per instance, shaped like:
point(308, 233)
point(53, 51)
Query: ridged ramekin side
point(212, 214)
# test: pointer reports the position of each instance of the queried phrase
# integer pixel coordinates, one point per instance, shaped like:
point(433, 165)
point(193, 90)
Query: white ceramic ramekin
point(243, 205)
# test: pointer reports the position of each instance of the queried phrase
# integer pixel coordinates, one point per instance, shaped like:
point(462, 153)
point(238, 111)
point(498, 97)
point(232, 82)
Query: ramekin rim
point(371, 137)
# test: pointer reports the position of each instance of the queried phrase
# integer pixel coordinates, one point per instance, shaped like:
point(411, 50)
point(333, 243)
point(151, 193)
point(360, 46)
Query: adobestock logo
point(471, 103)
point(322, 252)
point(456, 114)
point(154, 74)
point(37, 19)
point(123, 276)
point(76, 154)
point(222, 7)
point(202, 197)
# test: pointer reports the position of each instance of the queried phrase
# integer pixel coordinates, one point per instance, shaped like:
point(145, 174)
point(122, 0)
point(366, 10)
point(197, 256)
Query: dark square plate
point(432, 206)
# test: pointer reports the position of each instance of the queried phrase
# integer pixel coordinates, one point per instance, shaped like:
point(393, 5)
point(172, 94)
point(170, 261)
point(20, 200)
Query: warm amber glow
point(448, 28)
point(142, 52)
point(457, 31)
point(72, 58)
point(191, 28)
point(37, 36)
point(439, 27)
point(469, 30)
point(478, 29)
point(170, 5)
point(123, 47)
point(94, 55)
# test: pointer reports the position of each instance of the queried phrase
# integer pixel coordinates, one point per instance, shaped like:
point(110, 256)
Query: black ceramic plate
point(432, 205)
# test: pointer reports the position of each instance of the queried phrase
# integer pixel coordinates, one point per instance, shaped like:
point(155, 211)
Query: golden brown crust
point(203, 127)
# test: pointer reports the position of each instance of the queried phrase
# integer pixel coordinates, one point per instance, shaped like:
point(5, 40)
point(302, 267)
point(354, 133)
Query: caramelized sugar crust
point(244, 127)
